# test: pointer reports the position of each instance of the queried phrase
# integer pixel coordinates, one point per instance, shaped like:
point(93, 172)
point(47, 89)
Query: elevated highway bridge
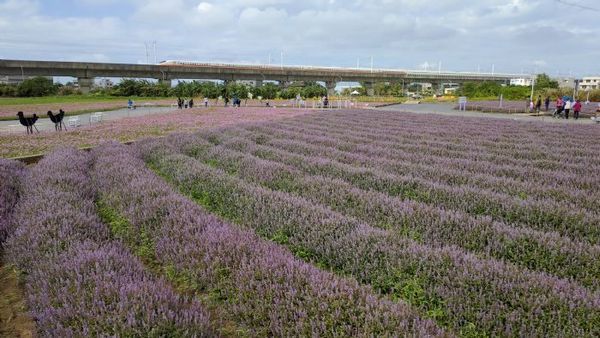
point(166, 71)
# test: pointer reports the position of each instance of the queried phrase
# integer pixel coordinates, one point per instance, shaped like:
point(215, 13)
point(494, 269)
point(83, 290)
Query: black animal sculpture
point(28, 122)
point(57, 120)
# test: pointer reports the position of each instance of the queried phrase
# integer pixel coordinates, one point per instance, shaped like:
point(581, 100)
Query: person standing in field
point(568, 106)
point(559, 106)
point(531, 106)
point(206, 102)
point(538, 104)
point(576, 109)
point(547, 102)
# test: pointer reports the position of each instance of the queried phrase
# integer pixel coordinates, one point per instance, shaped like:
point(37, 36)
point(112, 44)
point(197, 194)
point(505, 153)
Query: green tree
point(312, 90)
point(37, 86)
point(267, 91)
point(544, 81)
point(8, 90)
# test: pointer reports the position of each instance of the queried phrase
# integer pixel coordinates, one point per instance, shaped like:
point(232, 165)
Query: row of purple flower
point(411, 258)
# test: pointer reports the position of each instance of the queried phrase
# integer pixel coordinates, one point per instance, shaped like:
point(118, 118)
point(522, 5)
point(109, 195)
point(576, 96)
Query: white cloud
point(18, 7)
point(204, 7)
point(512, 34)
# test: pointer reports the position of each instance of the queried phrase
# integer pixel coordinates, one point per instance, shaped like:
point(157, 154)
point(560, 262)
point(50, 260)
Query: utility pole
point(154, 46)
point(147, 56)
point(371, 64)
point(281, 59)
point(532, 85)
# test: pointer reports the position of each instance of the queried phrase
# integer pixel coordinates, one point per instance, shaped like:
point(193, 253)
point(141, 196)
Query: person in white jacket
point(568, 105)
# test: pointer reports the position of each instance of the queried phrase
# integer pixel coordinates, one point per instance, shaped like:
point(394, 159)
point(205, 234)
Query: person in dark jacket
point(538, 104)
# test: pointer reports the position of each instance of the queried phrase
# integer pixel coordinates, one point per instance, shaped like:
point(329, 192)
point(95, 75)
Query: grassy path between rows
point(14, 318)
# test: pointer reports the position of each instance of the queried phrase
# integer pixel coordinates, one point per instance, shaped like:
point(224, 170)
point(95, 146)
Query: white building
point(590, 83)
point(566, 82)
point(17, 79)
point(520, 82)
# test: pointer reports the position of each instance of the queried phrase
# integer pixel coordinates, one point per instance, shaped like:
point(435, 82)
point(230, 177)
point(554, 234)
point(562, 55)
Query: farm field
point(72, 105)
point(75, 105)
point(340, 223)
point(130, 129)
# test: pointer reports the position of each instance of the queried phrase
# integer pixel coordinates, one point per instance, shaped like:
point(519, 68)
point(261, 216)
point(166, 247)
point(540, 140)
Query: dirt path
point(14, 319)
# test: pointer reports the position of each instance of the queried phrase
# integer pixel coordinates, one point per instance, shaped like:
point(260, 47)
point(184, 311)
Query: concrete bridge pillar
point(440, 89)
point(165, 82)
point(330, 85)
point(285, 84)
point(85, 84)
point(370, 88)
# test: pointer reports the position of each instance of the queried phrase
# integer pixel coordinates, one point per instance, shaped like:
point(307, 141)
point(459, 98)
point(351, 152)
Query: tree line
point(41, 86)
point(543, 85)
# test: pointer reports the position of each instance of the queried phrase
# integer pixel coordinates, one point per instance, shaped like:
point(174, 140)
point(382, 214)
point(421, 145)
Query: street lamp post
point(532, 86)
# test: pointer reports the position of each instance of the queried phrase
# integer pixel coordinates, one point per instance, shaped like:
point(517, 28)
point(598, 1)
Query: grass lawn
point(10, 101)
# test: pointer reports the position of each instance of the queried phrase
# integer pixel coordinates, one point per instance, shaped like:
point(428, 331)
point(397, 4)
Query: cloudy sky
point(552, 36)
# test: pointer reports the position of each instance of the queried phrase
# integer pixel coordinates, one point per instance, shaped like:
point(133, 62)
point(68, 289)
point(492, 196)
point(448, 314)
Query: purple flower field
point(334, 224)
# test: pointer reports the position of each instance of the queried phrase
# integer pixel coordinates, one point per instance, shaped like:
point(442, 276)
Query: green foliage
point(238, 90)
point(388, 89)
point(38, 86)
point(313, 90)
point(490, 89)
point(8, 90)
point(348, 91)
point(308, 90)
point(121, 228)
point(290, 93)
point(380, 89)
point(143, 88)
point(267, 91)
point(544, 86)
point(544, 81)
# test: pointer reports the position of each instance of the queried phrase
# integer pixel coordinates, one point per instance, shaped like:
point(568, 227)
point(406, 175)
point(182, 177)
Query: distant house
point(450, 91)
point(17, 79)
point(566, 82)
point(520, 82)
point(590, 83)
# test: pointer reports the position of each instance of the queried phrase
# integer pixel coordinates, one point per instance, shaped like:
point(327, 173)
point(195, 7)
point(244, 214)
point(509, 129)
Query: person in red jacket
point(576, 109)
point(559, 106)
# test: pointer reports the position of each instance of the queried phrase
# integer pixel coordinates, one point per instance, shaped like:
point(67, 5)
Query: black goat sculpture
point(57, 120)
point(28, 122)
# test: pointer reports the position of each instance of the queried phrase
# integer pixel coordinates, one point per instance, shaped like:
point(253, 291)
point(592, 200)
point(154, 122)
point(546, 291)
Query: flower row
point(80, 282)
point(256, 284)
point(458, 289)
